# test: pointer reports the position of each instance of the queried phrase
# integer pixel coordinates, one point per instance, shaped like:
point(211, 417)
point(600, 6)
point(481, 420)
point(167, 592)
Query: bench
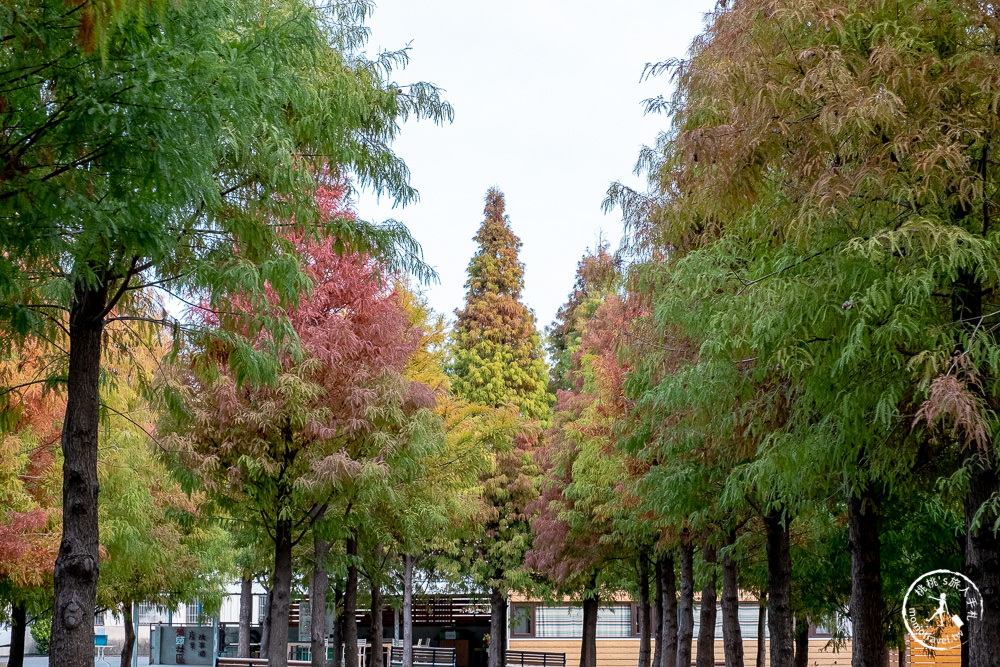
point(424, 656)
point(535, 659)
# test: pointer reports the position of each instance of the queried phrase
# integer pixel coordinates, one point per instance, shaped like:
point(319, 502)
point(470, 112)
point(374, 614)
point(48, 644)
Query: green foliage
point(159, 545)
point(582, 521)
point(164, 158)
point(41, 632)
point(817, 243)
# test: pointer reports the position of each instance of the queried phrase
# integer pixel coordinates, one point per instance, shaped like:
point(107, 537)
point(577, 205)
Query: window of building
point(99, 619)
point(566, 621)
point(561, 621)
point(521, 620)
point(150, 613)
point(193, 613)
point(614, 621)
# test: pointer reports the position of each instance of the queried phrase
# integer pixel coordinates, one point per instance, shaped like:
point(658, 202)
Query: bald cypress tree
point(496, 361)
point(497, 354)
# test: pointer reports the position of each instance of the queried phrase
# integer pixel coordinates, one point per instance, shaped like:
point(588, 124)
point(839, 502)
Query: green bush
point(41, 632)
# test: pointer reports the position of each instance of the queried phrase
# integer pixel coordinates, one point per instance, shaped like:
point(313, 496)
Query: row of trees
point(354, 446)
point(809, 353)
point(171, 149)
point(799, 357)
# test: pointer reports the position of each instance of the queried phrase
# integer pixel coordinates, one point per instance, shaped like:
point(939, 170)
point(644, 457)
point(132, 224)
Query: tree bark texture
point(779, 584)
point(802, 642)
point(126, 657)
point(497, 656)
point(378, 629)
point(645, 622)
point(351, 606)
point(318, 583)
point(685, 621)
point(246, 617)
point(732, 636)
point(668, 611)
point(277, 648)
point(658, 605)
point(588, 646)
point(18, 628)
point(408, 611)
point(867, 606)
point(982, 558)
point(265, 626)
point(337, 637)
point(709, 610)
point(78, 563)
point(762, 631)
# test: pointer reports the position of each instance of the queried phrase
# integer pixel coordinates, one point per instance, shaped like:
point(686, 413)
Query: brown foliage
point(959, 401)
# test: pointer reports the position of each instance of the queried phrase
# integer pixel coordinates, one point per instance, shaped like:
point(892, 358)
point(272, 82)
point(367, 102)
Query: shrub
point(41, 632)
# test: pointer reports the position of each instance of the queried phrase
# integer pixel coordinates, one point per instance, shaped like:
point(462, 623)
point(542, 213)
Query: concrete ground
point(43, 661)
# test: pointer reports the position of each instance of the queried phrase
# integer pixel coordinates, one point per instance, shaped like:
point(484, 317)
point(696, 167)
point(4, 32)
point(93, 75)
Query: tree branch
point(749, 283)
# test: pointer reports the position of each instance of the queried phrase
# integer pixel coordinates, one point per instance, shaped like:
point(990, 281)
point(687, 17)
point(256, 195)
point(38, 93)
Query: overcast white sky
point(548, 108)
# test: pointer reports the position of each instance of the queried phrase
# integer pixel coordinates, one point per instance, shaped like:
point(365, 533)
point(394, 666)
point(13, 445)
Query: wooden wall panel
point(918, 656)
point(625, 652)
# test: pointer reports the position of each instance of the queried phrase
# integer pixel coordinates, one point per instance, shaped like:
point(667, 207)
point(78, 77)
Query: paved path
point(42, 661)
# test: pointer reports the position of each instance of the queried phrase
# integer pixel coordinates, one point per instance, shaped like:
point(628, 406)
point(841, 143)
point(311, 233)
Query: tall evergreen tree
point(497, 352)
point(497, 362)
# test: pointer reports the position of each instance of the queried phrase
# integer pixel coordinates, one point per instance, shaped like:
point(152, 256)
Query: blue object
point(100, 640)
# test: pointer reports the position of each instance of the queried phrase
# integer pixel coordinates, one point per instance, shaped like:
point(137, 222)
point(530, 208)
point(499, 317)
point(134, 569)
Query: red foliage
point(573, 530)
point(29, 523)
point(27, 548)
point(354, 326)
point(353, 330)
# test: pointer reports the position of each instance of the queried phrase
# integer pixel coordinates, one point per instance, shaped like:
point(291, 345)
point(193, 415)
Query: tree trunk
point(351, 605)
point(337, 638)
point(408, 611)
point(378, 629)
point(588, 646)
point(732, 636)
point(78, 563)
point(982, 557)
point(762, 631)
point(277, 647)
point(685, 621)
point(498, 628)
point(642, 571)
point(18, 628)
point(318, 584)
point(706, 622)
point(963, 540)
point(246, 617)
point(982, 544)
point(668, 612)
point(779, 583)
point(658, 620)
point(867, 606)
point(802, 642)
point(129, 634)
point(265, 625)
